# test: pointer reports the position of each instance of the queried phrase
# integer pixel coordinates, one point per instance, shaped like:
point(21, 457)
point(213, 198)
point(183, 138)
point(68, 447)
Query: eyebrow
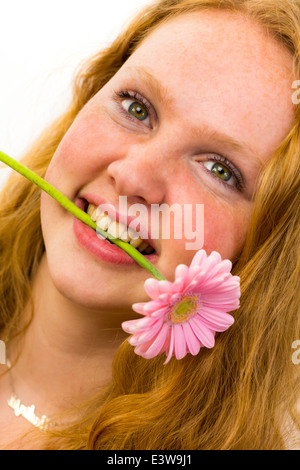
point(154, 85)
point(230, 144)
point(220, 138)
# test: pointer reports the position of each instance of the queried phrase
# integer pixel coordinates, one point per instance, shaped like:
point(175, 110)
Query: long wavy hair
point(243, 393)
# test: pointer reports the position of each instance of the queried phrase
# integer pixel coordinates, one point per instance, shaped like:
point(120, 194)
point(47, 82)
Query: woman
point(191, 104)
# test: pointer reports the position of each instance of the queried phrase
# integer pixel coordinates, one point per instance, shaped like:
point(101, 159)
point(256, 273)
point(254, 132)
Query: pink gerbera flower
point(184, 315)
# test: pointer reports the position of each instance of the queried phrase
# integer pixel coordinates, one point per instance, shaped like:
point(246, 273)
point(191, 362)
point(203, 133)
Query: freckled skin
point(220, 69)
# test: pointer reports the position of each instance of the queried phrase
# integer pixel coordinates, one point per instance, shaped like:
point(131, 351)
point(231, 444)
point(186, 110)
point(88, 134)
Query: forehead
point(223, 62)
point(218, 38)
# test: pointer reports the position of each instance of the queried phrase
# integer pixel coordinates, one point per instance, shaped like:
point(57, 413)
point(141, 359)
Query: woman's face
point(190, 118)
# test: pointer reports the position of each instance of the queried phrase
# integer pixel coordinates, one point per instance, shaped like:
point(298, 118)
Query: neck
point(66, 353)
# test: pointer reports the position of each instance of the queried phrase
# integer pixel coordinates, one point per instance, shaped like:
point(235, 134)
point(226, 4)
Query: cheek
point(71, 157)
point(225, 230)
point(86, 150)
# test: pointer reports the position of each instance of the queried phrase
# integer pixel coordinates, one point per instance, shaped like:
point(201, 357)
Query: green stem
point(81, 215)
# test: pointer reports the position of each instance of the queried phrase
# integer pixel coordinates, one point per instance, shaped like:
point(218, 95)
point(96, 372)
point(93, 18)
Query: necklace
point(28, 412)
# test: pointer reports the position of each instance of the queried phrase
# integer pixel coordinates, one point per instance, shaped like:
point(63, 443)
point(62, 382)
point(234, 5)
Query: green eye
point(221, 171)
point(137, 110)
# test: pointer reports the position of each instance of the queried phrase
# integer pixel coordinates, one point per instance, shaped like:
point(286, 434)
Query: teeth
point(135, 243)
point(118, 230)
point(94, 212)
point(115, 229)
point(132, 234)
point(125, 237)
point(91, 210)
point(104, 222)
point(143, 246)
point(97, 214)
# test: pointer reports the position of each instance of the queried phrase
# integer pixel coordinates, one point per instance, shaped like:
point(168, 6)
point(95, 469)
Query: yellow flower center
point(184, 309)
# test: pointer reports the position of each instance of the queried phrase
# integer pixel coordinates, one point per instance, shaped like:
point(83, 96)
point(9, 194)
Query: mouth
point(118, 230)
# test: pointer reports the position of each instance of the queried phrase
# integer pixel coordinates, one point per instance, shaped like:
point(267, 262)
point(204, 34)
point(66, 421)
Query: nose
point(139, 175)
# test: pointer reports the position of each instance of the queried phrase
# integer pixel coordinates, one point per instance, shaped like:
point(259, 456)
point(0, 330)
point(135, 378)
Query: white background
point(42, 42)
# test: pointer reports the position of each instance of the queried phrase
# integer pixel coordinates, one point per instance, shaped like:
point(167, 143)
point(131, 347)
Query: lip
point(102, 249)
point(122, 218)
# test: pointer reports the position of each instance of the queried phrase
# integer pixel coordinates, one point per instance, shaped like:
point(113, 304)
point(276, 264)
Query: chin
point(79, 284)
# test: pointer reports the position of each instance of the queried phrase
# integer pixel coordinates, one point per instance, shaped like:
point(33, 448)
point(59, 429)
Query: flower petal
point(212, 260)
point(139, 307)
point(150, 332)
point(134, 339)
point(175, 297)
point(178, 285)
point(221, 268)
point(159, 342)
point(160, 312)
point(227, 287)
point(180, 344)
point(142, 349)
point(192, 273)
point(165, 298)
point(198, 259)
point(221, 304)
point(205, 335)
point(194, 278)
point(181, 271)
point(193, 344)
point(133, 326)
point(171, 347)
point(165, 287)
point(209, 285)
point(215, 319)
point(153, 305)
point(151, 287)
point(181, 275)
